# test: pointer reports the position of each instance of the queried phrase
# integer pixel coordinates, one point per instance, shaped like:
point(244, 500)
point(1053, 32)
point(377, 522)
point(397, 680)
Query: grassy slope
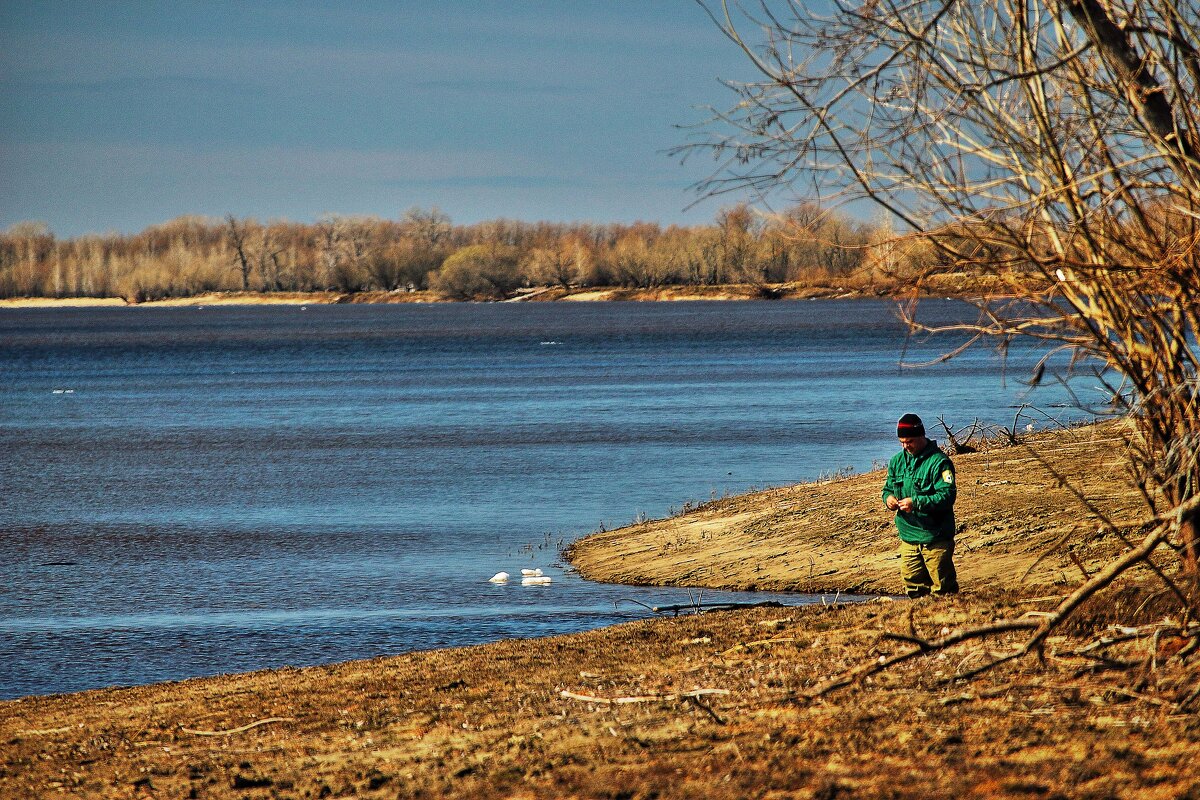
point(836, 535)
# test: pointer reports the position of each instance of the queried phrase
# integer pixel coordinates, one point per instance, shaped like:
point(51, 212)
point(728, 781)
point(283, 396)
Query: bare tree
point(738, 230)
point(330, 245)
point(431, 228)
point(25, 248)
point(1051, 144)
point(561, 264)
point(267, 259)
point(631, 262)
point(238, 235)
point(359, 241)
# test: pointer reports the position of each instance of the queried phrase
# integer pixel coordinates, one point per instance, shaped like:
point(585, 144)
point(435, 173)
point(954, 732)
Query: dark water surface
point(190, 491)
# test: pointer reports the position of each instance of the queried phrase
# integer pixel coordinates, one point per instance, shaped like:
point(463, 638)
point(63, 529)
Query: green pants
point(927, 568)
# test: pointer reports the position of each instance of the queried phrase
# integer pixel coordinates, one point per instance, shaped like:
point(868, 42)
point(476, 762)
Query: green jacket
point(928, 478)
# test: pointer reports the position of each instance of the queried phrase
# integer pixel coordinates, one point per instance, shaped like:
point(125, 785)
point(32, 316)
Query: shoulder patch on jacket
point(948, 476)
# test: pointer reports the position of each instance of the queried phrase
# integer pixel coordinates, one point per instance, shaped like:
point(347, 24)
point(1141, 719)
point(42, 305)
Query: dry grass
point(59, 302)
point(836, 535)
point(493, 720)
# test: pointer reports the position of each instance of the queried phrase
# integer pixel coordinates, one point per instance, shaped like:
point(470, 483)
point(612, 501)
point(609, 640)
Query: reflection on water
point(191, 491)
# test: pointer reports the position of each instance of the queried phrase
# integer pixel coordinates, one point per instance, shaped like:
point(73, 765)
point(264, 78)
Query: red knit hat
point(910, 426)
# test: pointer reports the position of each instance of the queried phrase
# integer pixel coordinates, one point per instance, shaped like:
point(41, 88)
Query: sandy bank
point(836, 535)
point(537, 295)
point(221, 299)
point(709, 706)
point(59, 302)
point(952, 285)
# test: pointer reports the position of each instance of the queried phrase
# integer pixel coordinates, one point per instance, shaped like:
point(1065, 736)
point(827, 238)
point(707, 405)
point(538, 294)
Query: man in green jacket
point(920, 488)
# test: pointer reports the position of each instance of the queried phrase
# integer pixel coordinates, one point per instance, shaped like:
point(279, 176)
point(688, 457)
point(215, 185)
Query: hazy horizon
point(123, 117)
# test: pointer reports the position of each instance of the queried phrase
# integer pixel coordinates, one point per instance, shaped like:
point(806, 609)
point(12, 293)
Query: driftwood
point(922, 647)
point(587, 698)
point(693, 697)
point(646, 698)
point(1040, 624)
point(241, 729)
point(42, 731)
point(701, 608)
point(698, 607)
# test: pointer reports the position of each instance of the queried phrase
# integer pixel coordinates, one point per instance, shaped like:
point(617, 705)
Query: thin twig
point(705, 707)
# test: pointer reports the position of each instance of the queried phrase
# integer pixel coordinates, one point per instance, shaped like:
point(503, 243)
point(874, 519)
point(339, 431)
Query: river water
point(192, 491)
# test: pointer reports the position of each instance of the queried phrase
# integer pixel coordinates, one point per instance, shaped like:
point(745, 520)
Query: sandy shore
point(209, 299)
point(60, 302)
point(543, 295)
point(943, 285)
point(836, 536)
point(714, 705)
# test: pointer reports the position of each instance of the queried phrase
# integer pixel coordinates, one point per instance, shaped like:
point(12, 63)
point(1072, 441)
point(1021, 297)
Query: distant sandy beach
point(60, 302)
point(940, 286)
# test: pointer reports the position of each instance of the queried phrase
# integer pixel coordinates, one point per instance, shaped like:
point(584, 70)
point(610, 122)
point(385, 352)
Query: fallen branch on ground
point(42, 731)
point(243, 728)
point(1041, 623)
point(923, 646)
point(647, 698)
point(698, 608)
point(759, 643)
point(705, 707)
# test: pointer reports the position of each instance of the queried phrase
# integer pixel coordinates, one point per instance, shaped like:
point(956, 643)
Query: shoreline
point(835, 535)
point(958, 286)
point(706, 705)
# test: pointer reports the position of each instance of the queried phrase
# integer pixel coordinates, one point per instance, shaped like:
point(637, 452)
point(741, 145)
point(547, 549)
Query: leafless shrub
point(1049, 146)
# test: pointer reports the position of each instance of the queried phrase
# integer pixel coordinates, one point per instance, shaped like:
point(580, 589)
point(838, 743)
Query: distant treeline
point(424, 250)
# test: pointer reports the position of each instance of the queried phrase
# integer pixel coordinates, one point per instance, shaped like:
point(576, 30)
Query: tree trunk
point(1145, 93)
point(1191, 547)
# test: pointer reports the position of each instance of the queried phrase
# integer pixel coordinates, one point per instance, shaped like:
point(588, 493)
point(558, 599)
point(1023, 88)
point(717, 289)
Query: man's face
point(913, 444)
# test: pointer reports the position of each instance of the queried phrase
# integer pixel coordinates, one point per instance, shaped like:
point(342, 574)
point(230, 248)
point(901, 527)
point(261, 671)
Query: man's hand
point(891, 502)
point(905, 505)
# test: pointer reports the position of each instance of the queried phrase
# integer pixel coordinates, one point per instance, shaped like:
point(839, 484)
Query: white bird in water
point(535, 580)
point(531, 573)
point(499, 577)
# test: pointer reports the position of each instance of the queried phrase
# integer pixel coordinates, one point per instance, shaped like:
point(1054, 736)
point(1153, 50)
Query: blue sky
point(122, 115)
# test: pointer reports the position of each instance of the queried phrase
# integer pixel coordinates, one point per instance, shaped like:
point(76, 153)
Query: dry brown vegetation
point(1053, 138)
point(806, 248)
point(720, 705)
point(494, 720)
point(1010, 505)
